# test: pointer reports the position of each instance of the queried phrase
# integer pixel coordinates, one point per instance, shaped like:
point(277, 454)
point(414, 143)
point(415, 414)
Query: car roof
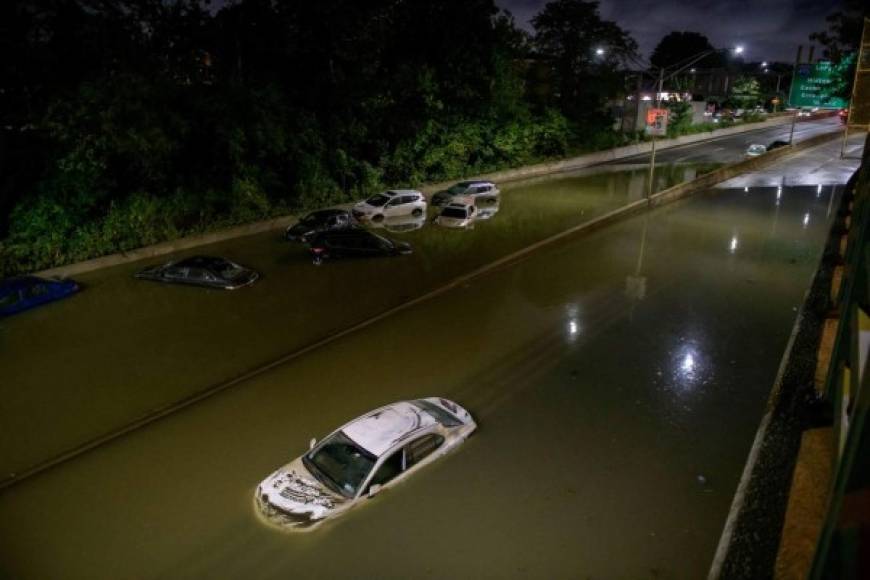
point(202, 262)
point(20, 283)
point(401, 191)
point(377, 432)
point(475, 182)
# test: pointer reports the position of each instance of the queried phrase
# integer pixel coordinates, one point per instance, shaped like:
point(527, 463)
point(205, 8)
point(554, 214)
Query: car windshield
point(340, 463)
point(314, 218)
point(227, 270)
point(454, 212)
point(378, 200)
point(438, 413)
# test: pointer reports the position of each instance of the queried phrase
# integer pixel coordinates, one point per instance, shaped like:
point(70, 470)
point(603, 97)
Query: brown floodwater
point(83, 367)
point(617, 380)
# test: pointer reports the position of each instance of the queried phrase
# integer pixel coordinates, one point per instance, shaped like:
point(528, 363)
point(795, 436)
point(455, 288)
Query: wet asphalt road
point(123, 347)
point(617, 380)
point(731, 148)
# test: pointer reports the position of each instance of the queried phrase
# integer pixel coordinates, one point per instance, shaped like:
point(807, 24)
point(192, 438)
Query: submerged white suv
point(390, 203)
point(361, 458)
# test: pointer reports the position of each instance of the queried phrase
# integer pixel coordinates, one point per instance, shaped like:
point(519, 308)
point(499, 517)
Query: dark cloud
point(769, 29)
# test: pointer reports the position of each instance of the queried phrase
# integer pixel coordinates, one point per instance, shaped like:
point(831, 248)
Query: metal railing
point(844, 534)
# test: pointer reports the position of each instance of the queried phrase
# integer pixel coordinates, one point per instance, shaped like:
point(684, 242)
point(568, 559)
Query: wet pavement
point(122, 348)
point(617, 380)
point(731, 149)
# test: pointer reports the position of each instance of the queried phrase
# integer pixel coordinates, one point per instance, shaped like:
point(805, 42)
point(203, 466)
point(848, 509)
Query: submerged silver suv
point(475, 189)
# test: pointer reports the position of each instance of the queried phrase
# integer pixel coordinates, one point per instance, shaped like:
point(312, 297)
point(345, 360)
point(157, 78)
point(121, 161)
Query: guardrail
point(844, 541)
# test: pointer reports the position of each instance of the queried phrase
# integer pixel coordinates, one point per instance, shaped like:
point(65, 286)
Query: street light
point(681, 66)
point(599, 51)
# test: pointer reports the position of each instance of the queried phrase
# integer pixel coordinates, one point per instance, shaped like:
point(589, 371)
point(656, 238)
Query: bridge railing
point(844, 540)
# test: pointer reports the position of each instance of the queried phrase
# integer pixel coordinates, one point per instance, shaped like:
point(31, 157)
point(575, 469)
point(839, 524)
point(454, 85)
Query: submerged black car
point(208, 271)
point(320, 221)
point(354, 243)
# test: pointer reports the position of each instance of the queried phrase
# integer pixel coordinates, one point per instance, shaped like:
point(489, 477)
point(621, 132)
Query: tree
point(568, 34)
point(844, 30)
point(745, 92)
point(841, 40)
point(677, 47)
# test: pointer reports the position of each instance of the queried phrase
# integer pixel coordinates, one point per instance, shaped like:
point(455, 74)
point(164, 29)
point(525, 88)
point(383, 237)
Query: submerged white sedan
point(360, 459)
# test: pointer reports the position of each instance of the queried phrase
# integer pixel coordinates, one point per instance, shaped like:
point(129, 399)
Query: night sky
point(769, 29)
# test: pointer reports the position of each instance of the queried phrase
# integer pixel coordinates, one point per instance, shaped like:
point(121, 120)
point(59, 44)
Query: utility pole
point(652, 158)
point(858, 63)
point(797, 61)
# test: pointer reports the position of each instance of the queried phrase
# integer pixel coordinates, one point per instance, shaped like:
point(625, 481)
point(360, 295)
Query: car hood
point(293, 497)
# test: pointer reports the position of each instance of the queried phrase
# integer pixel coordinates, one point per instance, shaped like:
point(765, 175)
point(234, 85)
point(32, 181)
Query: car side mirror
point(312, 443)
point(373, 490)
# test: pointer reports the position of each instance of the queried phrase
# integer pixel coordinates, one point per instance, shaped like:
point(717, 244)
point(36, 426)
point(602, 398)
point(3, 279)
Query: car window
point(418, 450)
point(409, 199)
point(9, 299)
point(378, 200)
point(454, 212)
point(195, 274)
point(175, 272)
point(37, 290)
point(390, 468)
point(437, 413)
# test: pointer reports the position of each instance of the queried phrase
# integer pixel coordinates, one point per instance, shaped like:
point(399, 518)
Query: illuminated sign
point(657, 122)
point(820, 85)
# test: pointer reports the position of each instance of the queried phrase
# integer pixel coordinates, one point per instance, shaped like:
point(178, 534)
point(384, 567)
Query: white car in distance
point(457, 214)
point(391, 203)
point(361, 459)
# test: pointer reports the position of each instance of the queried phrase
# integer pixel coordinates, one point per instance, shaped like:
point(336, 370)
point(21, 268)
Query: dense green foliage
point(131, 122)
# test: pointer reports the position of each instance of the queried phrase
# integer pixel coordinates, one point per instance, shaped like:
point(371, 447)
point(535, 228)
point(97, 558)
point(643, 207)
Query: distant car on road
point(353, 243)
point(207, 271)
point(755, 150)
point(474, 189)
point(360, 459)
point(457, 215)
point(26, 292)
point(320, 221)
point(391, 203)
point(805, 112)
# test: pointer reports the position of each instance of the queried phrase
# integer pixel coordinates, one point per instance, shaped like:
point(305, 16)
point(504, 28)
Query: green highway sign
point(820, 85)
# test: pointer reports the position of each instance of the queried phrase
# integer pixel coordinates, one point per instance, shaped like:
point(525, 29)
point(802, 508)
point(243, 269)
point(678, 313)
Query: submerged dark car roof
point(203, 262)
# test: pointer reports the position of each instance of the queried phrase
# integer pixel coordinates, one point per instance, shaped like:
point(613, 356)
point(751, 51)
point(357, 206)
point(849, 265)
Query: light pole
point(680, 67)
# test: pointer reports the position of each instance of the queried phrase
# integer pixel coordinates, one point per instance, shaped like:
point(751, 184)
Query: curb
point(579, 162)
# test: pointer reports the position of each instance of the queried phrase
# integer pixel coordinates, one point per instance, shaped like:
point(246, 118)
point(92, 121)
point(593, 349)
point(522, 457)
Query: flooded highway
point(124, 347)
point(617, 380)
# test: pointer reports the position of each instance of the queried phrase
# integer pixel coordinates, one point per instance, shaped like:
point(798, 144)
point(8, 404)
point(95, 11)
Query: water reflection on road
point(123, 347)
point(617, 380)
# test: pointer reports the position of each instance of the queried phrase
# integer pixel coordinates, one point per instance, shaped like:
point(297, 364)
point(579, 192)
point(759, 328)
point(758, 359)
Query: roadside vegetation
point(132, 122)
